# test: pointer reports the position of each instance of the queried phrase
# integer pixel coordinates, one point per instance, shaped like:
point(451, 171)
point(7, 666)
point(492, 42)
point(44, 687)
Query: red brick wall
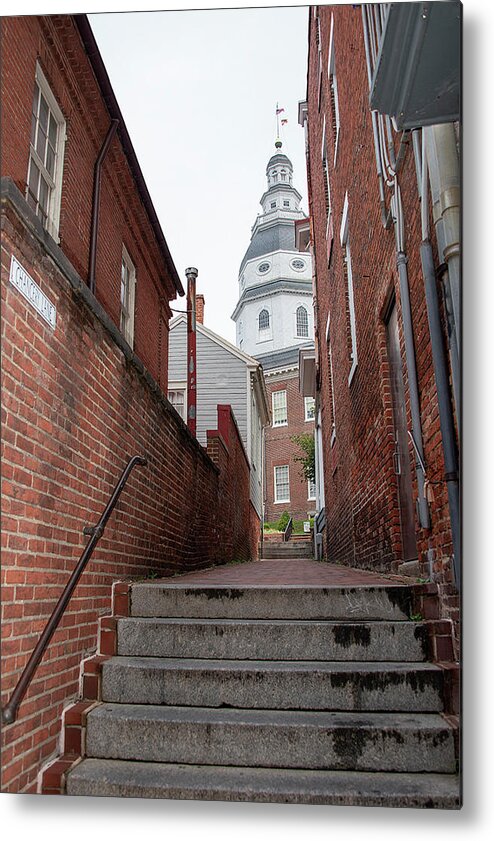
point(363, 526)
point(280, 450)
point(56, 43)
point(75, 409)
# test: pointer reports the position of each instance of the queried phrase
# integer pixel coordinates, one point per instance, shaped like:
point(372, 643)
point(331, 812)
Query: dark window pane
point(50, 160)
point(43, 112)
point(41, 143)
point(33, 179)
point(44, 194)
point(52, 131)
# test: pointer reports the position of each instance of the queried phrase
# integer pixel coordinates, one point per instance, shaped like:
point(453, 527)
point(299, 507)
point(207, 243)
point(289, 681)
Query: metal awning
point(418, 69)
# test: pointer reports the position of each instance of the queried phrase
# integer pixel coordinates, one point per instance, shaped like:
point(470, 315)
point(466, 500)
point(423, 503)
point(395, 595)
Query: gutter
point(102, 78)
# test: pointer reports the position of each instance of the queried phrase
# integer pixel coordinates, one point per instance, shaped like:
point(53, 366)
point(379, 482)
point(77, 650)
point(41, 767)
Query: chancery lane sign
point(31, 291)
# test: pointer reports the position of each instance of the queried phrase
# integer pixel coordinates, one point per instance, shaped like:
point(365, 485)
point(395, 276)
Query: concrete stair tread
point(120, 778)
point(290, 666)
point(276, 718)
point(167, 599)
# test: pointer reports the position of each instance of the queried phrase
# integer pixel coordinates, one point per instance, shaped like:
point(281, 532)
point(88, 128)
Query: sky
point(198, 92)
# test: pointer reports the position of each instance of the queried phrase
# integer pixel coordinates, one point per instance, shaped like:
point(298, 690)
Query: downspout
point(406, 312)
point(191, 275)
point(96, 197)
point(441, 377)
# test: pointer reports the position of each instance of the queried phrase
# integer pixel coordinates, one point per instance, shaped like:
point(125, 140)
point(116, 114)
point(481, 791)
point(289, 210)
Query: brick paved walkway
point(286, 573)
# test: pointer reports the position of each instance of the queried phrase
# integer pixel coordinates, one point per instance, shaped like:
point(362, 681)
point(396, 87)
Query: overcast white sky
point(198, 91)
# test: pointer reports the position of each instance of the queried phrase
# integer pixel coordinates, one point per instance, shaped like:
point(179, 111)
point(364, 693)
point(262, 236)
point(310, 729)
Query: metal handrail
point(9, 712)
point(288, 531)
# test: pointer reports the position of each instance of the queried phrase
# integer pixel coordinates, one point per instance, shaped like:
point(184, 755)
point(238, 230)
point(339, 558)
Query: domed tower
point(274, 310)
point(274, 319)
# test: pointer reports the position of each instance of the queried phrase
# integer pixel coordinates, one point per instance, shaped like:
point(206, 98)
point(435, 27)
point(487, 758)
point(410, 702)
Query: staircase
point(294, 695)
point(299, 546)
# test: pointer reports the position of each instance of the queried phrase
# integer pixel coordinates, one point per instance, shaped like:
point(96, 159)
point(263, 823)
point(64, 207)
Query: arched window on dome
point(302, 321)
point(275, 175)
point(283, 174)
point(264, 326)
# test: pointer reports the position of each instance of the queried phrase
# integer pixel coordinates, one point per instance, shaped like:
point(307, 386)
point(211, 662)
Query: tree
point(307, 459)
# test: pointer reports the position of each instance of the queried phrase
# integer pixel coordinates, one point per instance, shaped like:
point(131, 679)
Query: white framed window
point(286, 203)
point(311, 489)
point(333, 92)
point(331, 380)
point(127, 297)
point(282, 483)
point(255, 443)
point(301, 323)
point(347, 271)
point(273, 204)
point(264, 323)
point(280, 410)
point(310, 408)
point(283, 175)
point(45, 169)
point(325, 172)
point(178, 398)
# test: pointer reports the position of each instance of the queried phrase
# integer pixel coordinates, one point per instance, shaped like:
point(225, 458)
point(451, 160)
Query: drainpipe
point(441, 375)
point(443, 162)
point(96, 196)
point(406, 312)
point(191, 275)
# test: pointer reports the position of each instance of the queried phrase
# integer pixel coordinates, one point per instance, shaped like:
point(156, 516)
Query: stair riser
point(318, 641)
point(105, 778)
point(352, 748)
point(306, 690)
point(354, 604)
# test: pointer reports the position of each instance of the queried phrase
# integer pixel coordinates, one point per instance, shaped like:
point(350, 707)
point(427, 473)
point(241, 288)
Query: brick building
point(87, 278)
point(385, 249)
point(274, 319)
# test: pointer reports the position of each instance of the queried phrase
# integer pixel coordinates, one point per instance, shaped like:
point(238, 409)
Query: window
point(264, 326)
point(283, 175)
point(350, 302)
point(333, 92)
point(282, 484)
point(44, 178)
point(311, 489)
point(302, 320)
point(127, 297)
point(280, 411)
point(177, 399)
point(310, 408)
point(331, 381)
point(273, 204)
point(286, 203)
point(275, 175)
point(255, 434)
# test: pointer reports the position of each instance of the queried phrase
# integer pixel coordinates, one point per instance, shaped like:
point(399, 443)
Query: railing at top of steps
point(288, 531)
point(9, 712)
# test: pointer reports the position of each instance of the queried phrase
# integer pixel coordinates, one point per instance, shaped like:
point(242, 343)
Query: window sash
point(310, 408)
point(311, 490)
point(176, 397)
point(302, 320)
point(280, 411)
point(127, 297)
point(282, 483)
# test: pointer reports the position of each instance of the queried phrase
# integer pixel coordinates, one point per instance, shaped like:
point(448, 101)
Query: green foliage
point(283, 521)
point(307, 459)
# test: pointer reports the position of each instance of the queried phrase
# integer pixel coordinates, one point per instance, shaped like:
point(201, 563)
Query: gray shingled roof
point(280, 158)
point(275, 238)
point(281, 358)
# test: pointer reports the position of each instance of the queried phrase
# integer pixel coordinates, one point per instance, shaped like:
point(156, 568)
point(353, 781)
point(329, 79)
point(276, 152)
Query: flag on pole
point(284, 122)
point(279, 110)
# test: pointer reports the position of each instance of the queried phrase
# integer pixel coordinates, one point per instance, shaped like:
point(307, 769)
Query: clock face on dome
point(263, 267)
point(298, 265)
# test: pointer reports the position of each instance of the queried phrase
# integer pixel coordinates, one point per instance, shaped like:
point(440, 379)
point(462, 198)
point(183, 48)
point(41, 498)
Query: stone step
point(264, 639)
point(156, 599)
point(118, 778)
point(278, 551)
point(284, 685)
point(408, 743)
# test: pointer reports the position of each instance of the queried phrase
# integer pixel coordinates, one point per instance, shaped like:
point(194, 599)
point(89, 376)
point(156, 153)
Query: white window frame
point(330, 360)
point(345, 242)
point(311, 486)
point(306, 409)
point(127, 328)
point(297, 334)
point(334, 83)
point(277, 500)
point(54, 183)
point(325, 172)
point(264, 334)
point(284, 405)
point(176, 387)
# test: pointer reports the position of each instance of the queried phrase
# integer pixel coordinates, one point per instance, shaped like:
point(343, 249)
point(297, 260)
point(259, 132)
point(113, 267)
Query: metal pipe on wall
point(93, 243)
point(191, 275)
